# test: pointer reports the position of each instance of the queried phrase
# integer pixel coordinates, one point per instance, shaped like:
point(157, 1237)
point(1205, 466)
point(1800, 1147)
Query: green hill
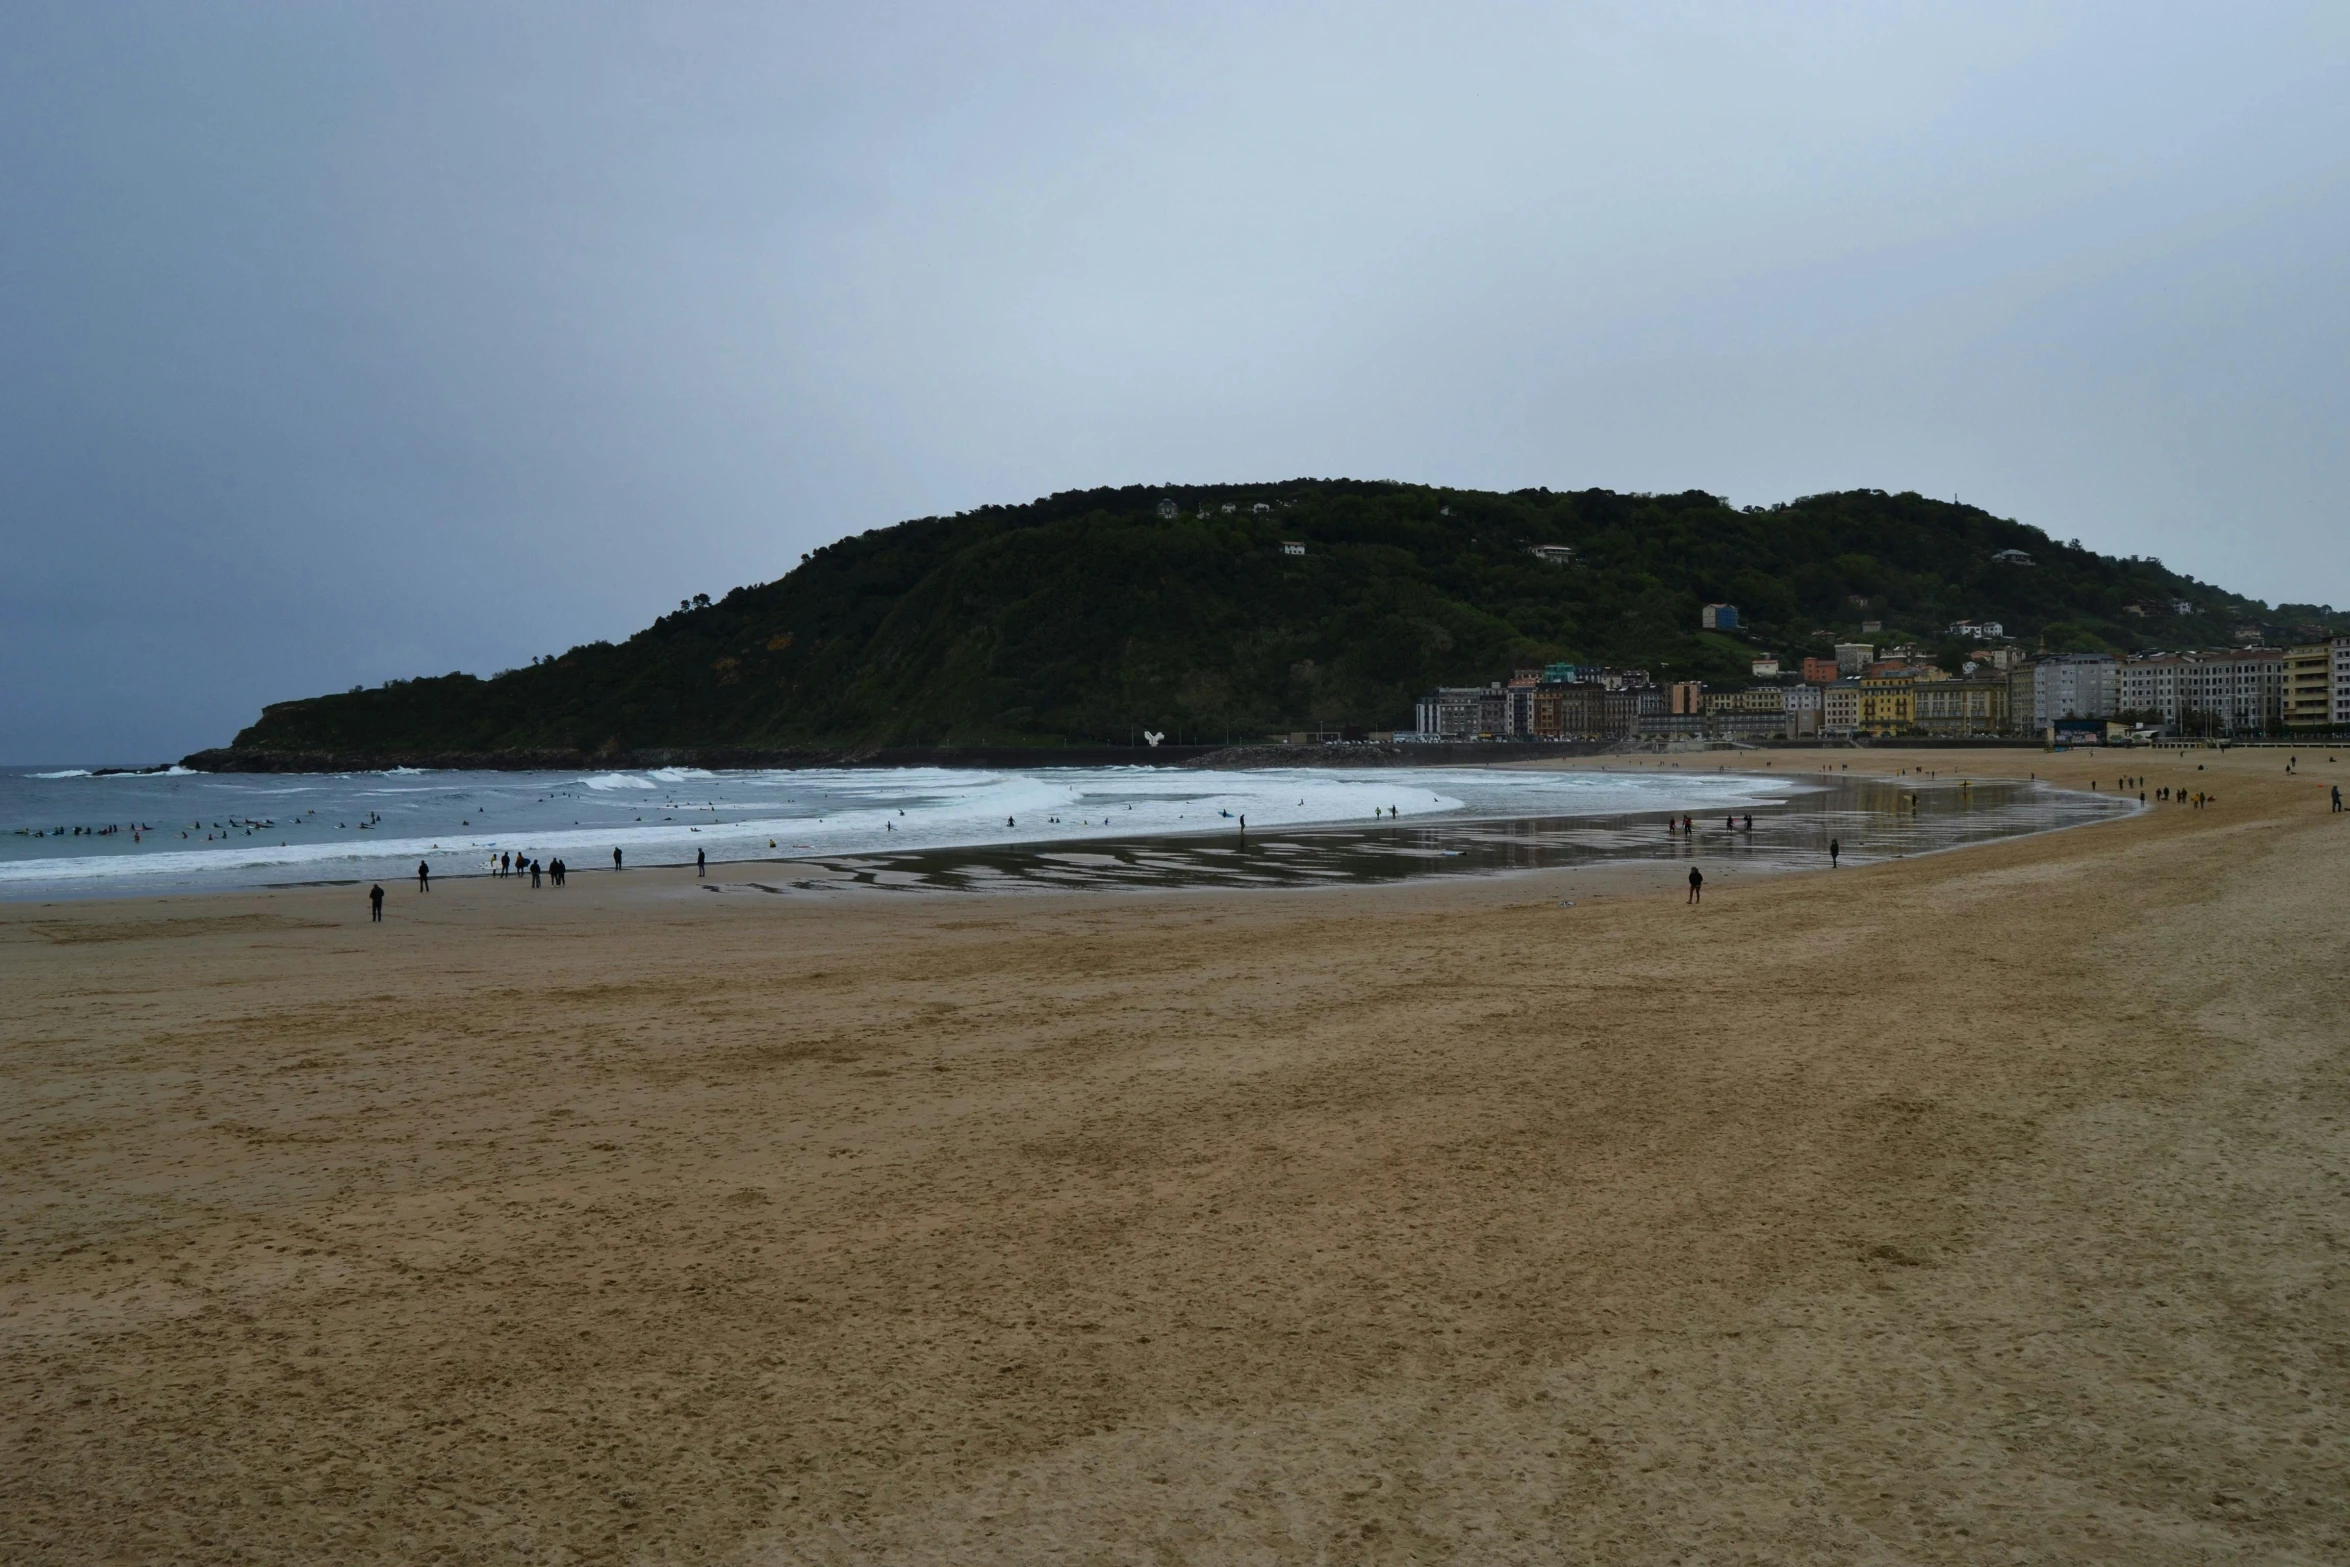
point(1086, 616)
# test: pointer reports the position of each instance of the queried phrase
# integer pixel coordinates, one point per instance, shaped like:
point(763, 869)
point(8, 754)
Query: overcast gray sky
point(346, 342)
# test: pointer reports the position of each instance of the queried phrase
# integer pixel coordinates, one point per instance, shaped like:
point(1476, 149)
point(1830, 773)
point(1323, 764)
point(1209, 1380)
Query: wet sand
point(1869, 818)
point(1990, 1205)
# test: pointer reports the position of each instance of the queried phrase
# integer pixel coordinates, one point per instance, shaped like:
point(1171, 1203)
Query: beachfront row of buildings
point(2220, 694)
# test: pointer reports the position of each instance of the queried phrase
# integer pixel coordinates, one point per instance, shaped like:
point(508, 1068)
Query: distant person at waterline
point(701, 862)
point(423, 877)
point(1696, 883)
point(616, 859)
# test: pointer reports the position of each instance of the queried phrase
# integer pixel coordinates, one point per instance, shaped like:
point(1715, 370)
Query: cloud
point(347, 344)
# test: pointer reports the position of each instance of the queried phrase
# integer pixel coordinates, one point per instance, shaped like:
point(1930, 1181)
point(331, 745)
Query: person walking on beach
point(616, 859)
point(534, 874)
point(701, 862)
point(2337, 797)
point(375, 902)
point(1835, 848)
point(423, 877)
point(1696, 883)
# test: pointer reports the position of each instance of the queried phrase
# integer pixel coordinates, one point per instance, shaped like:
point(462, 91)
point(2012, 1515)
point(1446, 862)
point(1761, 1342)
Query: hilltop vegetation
point(1086, 616)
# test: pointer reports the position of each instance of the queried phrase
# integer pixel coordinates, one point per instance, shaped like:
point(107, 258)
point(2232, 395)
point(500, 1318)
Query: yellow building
point(1887, 705)
point(2309, 687)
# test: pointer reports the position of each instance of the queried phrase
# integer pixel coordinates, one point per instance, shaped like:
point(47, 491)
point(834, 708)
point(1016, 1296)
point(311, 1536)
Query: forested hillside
point(1087, 616)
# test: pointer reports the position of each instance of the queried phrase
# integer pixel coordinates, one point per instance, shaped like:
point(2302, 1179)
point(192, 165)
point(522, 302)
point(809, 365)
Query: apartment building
point(1463, 712)
point(1517, 695)
point(1568, 711)
point(1757, 713)
point(1626, 709)
point(2227, 691)
point(2074, 685)
point(1804, 711)
point(1840, 708)
point(1888, 703)
point(2021, 683)
point(2309, 686)
point(1960, 707)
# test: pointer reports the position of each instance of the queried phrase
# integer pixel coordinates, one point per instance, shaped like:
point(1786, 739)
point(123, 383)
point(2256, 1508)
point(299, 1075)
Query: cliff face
point(1086, 618)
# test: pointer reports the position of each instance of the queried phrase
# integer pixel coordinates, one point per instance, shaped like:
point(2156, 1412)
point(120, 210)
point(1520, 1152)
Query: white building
point(1805, 708)
point(1853, 657)
point(1986, 629)
point(2075, 685)
point(2228, 692)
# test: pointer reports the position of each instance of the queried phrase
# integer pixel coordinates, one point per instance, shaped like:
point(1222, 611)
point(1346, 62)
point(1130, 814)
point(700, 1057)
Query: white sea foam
point(460, 817)
point(70, 772)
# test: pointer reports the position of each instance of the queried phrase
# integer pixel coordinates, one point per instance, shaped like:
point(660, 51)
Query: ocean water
point(65, 832)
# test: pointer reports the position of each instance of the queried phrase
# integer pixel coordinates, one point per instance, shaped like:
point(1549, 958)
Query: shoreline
point(1022, 858)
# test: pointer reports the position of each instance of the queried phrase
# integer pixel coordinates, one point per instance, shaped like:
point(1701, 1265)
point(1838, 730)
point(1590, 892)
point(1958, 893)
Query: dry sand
point(1989, 1206)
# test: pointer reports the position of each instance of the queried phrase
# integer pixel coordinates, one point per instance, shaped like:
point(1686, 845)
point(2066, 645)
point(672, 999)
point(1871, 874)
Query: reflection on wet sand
point(1869, 819)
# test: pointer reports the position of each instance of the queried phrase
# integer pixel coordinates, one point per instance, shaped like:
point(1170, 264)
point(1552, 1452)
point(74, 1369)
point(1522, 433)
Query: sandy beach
point(1985, 1206)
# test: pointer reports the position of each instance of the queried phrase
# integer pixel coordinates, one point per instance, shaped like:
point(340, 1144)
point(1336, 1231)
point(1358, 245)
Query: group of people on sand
point(507, 864)
point(1683, 827)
